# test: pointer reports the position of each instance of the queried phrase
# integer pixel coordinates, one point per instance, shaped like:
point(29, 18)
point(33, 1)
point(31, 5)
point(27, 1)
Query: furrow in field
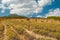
point(5, 31)
point(37, 35)
point(20, 36)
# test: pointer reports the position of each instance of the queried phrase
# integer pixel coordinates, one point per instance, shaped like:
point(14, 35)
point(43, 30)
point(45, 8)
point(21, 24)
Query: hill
point(13, 16)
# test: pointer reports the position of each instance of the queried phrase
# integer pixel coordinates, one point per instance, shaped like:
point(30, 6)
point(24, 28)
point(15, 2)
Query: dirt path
point(38, 36)
point(5, 31)
point(33, 34)
point(20, 36)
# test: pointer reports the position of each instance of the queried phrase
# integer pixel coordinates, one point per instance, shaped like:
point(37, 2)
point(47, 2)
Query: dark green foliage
point(54, 17)
point(13, 16)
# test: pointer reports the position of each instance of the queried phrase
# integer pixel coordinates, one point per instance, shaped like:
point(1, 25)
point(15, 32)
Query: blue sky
point(54, 5)
point(32, 8)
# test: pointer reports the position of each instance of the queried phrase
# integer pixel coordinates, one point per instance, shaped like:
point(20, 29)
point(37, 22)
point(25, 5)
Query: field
point(29, 29)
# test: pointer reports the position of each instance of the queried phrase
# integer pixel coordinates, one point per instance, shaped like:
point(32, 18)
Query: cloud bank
point(55, 12)
point(26, 7)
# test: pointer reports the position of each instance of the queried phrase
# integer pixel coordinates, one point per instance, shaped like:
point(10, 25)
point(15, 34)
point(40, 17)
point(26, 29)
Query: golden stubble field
point(29, 29)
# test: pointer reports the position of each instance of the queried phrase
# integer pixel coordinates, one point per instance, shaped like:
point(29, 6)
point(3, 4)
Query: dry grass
point(45, 27)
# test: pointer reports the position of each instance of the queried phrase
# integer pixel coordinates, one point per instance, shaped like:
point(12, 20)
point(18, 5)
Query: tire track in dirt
point(35, 35)
point(21, 37)
point(5, 31)
point(38, 35)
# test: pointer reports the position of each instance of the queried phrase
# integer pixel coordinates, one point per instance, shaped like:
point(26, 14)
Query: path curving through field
point(38, 35)
point(21, 37)
point(5, 31)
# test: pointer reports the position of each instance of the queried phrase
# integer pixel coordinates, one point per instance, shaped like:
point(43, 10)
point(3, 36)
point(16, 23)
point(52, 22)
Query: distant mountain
point(14, 16)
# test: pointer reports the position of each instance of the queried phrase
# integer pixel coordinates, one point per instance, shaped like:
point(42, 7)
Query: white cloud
point(44, 2)
point(3, 8)
point(39, 16)
point(55, 12)
point(6, 1)
point(26, 7)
